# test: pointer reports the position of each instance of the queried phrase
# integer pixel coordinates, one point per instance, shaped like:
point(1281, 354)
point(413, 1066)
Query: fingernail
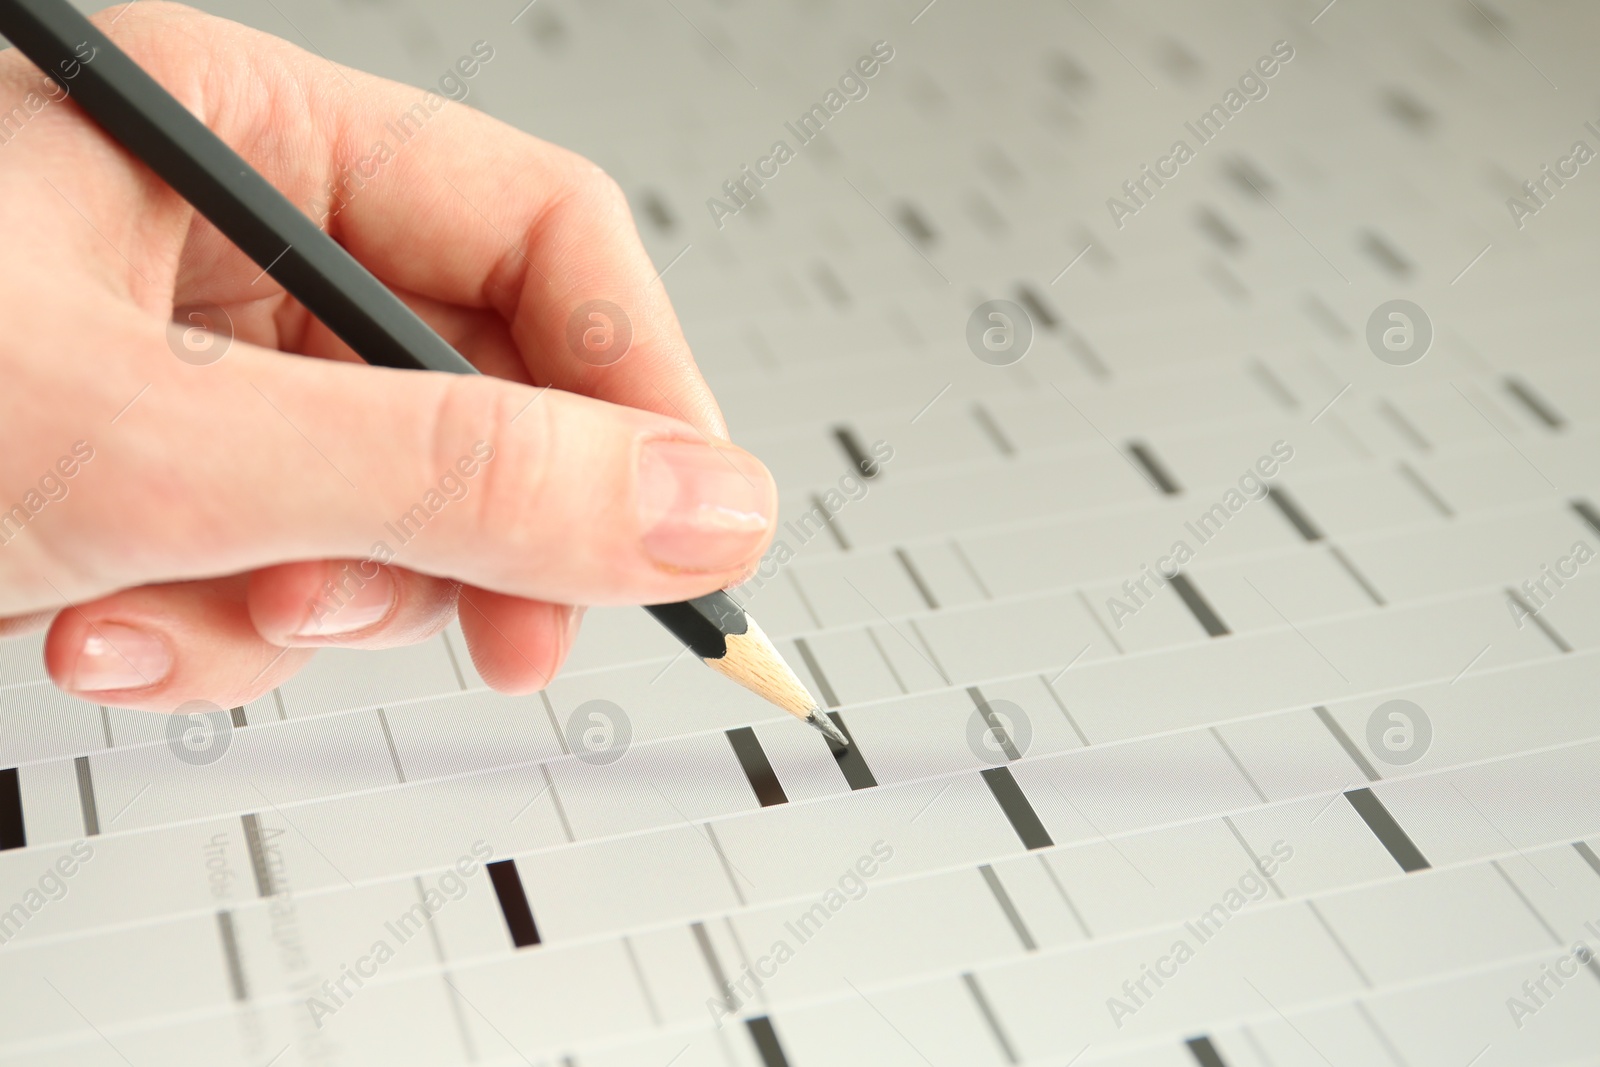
point(349, 601)
point(703, 508)
point(115, 656)
point(574, 620)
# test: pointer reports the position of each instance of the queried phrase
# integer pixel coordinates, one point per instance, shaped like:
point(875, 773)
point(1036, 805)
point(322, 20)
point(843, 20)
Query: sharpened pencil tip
point(826, 728)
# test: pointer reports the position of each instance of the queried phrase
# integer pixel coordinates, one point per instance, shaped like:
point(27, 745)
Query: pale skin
point(187, 559)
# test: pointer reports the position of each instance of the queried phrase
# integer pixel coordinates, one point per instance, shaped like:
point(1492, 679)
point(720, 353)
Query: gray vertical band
point(1261, 868)
point(1291, 510)
point(1204, 1052)
point(1203, 612)
point(1098, 621)
point(454, 996)
point(394, 753)
point(719, 977)
point(997, 728)
point(1009, 907)
point(91, 813)
point(1505, 876)
point(989, 1017)
point(455, 664)
point(1018, 810)
point(1535, 403)
point(1083, 737)
point(1239, 765)
point(930, 656)
point(1323, 315)
point(832, 525)
point(638, 974)
point(829, 697)
point(1406, 428)
point(1079, 346)
point(1356, 575)
point(765, 1039)
point(800, 593)
point(555, 799)
point(1383, 1038)
point(230, 952)
point(1155, 472)
point(1066, 899)
point(883, 654)
point(1034, 305)
point(1588, 514)
point(864, 464)
point(1345, 743)
point(916, 578)
point(972, 572)
point(1272, 384)
point(727, 868)
point(1428, 492)
point(1588, 855)
point(992, 430)
point(1538, 620)
point(1388, 832)
point(550, 711)
point(258, 854)
point(1344, 950)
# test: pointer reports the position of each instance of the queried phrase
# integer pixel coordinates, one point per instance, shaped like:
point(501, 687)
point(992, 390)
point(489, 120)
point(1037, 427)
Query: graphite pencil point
point(827, 729)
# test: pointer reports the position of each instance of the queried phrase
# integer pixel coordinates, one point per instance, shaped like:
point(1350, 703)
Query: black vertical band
point(766, 1039)
point(1204, 1052)
point(852, 764)
point(1024, 820)
point(1386, 830)
point(1153, 468)
point(757, 768)
point(13, 834)
point(1202, 609)
point(513, 903)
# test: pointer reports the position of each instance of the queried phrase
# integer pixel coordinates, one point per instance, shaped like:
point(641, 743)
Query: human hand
point(178, 523)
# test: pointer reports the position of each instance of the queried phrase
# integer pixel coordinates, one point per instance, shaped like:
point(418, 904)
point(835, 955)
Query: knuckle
point(597, 189)
point(610, 191)
point(152, 12)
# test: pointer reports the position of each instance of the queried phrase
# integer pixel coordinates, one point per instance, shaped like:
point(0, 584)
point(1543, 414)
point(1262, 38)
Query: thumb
point(263, 458)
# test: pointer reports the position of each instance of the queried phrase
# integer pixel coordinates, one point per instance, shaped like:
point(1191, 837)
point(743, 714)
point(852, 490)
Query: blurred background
point(1083, 263)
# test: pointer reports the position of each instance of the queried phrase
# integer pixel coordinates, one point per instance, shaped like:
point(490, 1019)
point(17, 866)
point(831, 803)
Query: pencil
point(719, 631)
point(314, 269)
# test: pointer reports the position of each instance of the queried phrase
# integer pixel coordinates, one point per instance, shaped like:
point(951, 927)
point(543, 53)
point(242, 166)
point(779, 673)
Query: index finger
point(541, 235)
point(445, 203)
